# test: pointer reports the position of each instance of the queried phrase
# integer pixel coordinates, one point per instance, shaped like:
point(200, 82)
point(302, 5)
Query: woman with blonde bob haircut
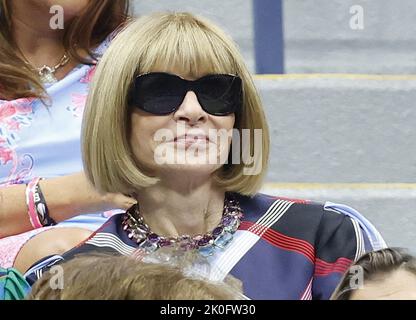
point(110, 161)
point(172, 84)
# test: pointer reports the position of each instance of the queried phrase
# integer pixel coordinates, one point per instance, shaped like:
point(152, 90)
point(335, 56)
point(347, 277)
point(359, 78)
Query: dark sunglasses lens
point(158, 93)
point(220, 94)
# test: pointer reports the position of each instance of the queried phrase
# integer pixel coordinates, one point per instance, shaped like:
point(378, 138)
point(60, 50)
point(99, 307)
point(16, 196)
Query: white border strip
point(111, 241)
point(360, 240)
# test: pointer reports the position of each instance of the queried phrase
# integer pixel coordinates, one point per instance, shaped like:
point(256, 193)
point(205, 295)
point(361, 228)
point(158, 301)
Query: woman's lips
point(189, 140)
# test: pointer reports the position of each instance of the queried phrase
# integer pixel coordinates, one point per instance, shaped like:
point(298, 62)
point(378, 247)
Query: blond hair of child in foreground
point(109, 277)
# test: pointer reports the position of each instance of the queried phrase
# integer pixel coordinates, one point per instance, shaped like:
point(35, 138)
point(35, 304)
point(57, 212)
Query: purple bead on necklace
point(137, 230)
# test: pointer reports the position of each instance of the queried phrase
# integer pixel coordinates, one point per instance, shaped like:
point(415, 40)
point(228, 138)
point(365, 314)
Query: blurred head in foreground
point(387, 274)
point(104, 277)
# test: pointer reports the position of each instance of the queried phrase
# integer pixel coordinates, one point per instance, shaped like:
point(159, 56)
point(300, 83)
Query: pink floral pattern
point(88, 77)
point(78, 99)
point(13, 115)
point(78, 104)
point(10, 246)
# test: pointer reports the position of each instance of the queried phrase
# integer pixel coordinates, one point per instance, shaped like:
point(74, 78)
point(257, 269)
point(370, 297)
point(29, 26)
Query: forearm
point(13, 211)
point(71, 195)
point(65, 196)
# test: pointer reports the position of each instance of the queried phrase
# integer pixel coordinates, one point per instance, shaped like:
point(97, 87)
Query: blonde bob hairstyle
point(194, 46)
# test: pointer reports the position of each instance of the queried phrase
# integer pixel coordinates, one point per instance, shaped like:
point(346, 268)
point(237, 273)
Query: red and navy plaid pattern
point(284, 248)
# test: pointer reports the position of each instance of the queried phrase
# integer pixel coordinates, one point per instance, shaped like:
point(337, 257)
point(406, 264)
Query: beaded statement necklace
point(137, 230)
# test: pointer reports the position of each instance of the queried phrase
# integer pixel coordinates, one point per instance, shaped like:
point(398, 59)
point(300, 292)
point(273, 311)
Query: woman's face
point(185, 141)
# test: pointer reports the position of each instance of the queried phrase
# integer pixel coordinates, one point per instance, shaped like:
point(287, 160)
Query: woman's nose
point(190, 110)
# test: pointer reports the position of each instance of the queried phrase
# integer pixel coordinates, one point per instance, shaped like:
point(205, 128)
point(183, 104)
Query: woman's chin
point(186, 162)
point(188, 170)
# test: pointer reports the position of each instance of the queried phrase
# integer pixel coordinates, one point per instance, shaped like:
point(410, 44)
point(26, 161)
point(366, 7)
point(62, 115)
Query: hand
point(118, 201)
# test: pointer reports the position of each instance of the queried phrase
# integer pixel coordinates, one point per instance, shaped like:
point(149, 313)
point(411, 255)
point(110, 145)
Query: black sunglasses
point(162, 93)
